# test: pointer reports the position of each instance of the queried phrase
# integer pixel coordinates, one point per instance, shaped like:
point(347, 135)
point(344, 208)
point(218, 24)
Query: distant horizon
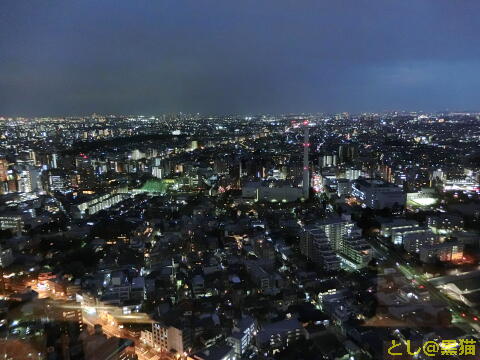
point(246, 114)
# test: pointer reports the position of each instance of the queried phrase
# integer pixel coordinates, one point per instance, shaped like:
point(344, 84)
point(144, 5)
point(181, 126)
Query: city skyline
point(190, 237)
point(240, 115)
point(249, 180)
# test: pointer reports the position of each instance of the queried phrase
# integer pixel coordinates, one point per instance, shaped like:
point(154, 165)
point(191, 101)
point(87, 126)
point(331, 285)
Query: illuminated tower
point(306, 171)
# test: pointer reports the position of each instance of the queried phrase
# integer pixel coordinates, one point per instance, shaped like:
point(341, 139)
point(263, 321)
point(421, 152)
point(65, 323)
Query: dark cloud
point(123, 56)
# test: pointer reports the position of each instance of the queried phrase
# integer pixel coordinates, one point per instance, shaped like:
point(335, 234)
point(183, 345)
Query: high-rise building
point(6, 257)
point(386, 173)
point(157, 171)
point(355, 252)
point(328, 160)
point(334, 241)
point(314, 244)
point(54, 161)
point(32, 155)
point(12, 184)
point(336, 229)
point(170, 337)
point(24, 181)
point(346, 153)
point(12, 222)
point(242, 336)
point(35, 180)
point(56, 183)
point(353, 174)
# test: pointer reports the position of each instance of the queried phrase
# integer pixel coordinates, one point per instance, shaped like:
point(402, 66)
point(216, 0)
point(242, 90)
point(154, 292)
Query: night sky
point(238, 56)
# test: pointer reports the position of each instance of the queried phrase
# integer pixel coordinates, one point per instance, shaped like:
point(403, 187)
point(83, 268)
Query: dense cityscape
point(239, 180)
point(185, 236)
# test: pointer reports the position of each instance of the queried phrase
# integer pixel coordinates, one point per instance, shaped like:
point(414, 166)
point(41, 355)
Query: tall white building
point(328, 160)
point(336, 241)
point(24, 181)
point(336, 229)
point(353, 174)
point(157, 171)
point(57, 183)
point(314, 244)
point(54, 162)
point(168, 337)
point(242, 336)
